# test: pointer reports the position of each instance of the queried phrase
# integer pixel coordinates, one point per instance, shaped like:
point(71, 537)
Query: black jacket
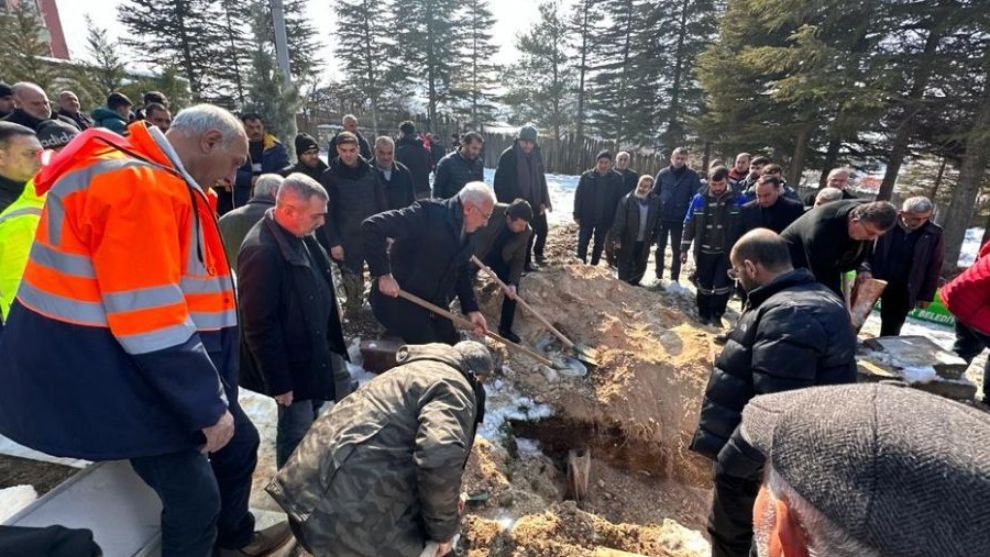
point(454, 172)
point(427, 258)
point(793, 334)
point(10, 190)
point(313, 172)
point(629, 180)
point(399, 189)
point(625, 227)
point(81, 119)
point(819, 240)
point(355, 194)
point(809, 198)
point(285, 344)
point(409, 151)
point(926, 264)
point(363, 146)
point(596, 198)
point(19, 116)
point(776, 217)
point(507, 179)
point(675, 192)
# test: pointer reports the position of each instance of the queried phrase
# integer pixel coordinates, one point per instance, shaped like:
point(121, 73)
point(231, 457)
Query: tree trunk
point(674, 133)
point(938, 179)
point(238, 82)
point(801, 151)
point(971, 173)
point(582, 70)
point(905, 130)
point(831, 157)
point(620, 128)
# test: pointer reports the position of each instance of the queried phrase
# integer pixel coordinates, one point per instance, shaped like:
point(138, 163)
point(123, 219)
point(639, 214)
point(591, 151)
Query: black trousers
point(501, 268)
point(673, 230)
point(411, 323)
point(632, 265)
point(969, 343)
point(894, 308)
point(730, 523)
point(585, 234)
point(714, 285)
point(538, 239)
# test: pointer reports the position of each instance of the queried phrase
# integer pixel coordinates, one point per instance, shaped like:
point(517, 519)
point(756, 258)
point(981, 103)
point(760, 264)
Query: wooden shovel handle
point(491, 274)
point(460, 321)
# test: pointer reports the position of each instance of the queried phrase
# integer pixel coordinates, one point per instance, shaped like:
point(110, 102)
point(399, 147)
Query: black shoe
point(541, 261)
point(704, 320)
point(509, 336)
point(530, 268)
point(721, 338)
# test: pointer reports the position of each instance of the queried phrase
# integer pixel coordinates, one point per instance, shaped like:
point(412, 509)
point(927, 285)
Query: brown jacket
point(514, 252)
point(379, 475)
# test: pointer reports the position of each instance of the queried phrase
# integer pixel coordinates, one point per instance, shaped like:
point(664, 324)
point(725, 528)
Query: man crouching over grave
point(379, 475)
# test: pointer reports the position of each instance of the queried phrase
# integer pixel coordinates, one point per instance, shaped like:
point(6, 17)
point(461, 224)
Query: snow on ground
point(561, 189)
point(971, 246)
point(13, 499)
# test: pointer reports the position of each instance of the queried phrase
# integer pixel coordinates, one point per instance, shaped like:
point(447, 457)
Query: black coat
point(399, 190)
point(675, 192)
point(454, 172)
point(81, 119)
point(777, 217)
point(19, 116)
point(363, 146)
point(355, 194)
point(596, 198)
point(819, 240)
point(625, 227)
point(285, 345)
point(926, 264)
point(507, 179)
point(409, 150)
point(313, 172)
point(427, 258)
point(629, 180)
point(793, 334)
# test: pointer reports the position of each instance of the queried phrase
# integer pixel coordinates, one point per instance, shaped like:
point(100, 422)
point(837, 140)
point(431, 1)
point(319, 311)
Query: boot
point(263, 542)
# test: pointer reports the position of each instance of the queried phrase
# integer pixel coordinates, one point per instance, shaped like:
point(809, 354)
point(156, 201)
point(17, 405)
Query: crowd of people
point(151, 266)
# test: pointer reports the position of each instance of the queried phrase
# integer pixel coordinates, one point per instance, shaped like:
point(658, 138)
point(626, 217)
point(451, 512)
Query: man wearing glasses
point(430, 258)
point(794, 333)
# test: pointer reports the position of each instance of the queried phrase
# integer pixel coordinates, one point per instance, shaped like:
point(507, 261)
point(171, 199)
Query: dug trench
point(632, 416)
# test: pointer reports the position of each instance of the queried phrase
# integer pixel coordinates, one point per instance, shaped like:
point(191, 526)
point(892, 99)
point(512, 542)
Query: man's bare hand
point(218, 434)
point(445, 548)
point(284, 399)
point(388, 286)
point(510, 291)
point(337, 253)
point(480, 325)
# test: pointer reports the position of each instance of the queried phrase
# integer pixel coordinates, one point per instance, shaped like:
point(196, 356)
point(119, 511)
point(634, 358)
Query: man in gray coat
point(235, 225)
point(379, 475)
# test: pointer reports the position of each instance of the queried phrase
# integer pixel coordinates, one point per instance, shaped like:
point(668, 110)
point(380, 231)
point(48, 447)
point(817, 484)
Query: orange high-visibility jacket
point(124, 328)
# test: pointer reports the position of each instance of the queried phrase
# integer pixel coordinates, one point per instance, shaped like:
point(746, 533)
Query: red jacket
point(968, 295)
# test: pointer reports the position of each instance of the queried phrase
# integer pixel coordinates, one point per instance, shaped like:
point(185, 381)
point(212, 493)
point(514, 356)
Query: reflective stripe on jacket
point(18, 223)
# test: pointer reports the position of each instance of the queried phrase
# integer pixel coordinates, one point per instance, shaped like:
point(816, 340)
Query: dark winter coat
point(427, 258)
point(363, 146)
point(629, 180)
point(286, 345)
point(355, 194)
point(235, 225)
point(809, 198)
point(514, 251)
point(274, 158)
point(399, 189)
point(625, 228)
point(776, 217)
point(675, 193)
point(409, 150)
point(82, 120)
point(10, 191)
point(819, 240)
point(454, 172)
point(19, 116)
point(926, 264)
point(507, 179)
point(793, 334)
point(104, 117)
point(380, 473)
point(712, 223)
point(787, 193)
point(314, 172)
point(595, 199)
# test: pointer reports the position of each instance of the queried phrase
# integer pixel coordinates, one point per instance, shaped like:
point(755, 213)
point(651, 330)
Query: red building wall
point(50, 18)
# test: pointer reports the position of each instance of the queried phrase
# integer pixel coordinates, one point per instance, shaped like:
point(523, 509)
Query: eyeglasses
point(487, 215)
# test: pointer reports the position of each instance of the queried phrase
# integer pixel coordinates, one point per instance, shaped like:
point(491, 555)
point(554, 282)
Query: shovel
point(582, 353)
point(461, 322)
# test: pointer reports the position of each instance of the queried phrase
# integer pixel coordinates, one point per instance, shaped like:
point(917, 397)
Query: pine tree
point(187, 34)
point(22, 42)
point(235, 26)
point(541, 84)
point(428, 42)
point(108, 66)
point(477, 77)
point(267, 95)
point(585, 28)
point(364, 48)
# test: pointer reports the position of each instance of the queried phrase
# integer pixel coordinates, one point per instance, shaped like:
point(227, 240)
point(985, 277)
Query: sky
point(512, 16)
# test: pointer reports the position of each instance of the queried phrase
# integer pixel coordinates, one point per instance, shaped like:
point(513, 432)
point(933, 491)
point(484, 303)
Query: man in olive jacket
point(292, 342)
point(502, 246)
point(379, 475)
point(235, 225)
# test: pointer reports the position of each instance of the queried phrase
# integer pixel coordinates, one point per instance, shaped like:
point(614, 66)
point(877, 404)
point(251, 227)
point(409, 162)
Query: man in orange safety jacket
point(122, 341)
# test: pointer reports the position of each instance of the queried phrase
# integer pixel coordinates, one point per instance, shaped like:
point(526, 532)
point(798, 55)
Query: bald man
point(839, 179)
point(31, 106)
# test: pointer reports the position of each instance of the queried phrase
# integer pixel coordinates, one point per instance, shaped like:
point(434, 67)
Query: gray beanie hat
point(528, 133)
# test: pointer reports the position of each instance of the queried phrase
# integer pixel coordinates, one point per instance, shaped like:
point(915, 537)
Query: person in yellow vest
point(19, 221)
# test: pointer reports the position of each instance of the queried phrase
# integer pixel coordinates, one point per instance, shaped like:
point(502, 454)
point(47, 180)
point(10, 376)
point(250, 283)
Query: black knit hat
point(117, 99)
point(604, 154)
point(900, 470)
point(305, 142)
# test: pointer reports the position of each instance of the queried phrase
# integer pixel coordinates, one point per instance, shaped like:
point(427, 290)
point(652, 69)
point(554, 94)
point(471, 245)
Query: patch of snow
point(505, 521)
point(504, 403)
point(10, 447)
point(678, 289)
point(971, 246)
point(528, 447)
point(924, 374)
point(13, 499)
